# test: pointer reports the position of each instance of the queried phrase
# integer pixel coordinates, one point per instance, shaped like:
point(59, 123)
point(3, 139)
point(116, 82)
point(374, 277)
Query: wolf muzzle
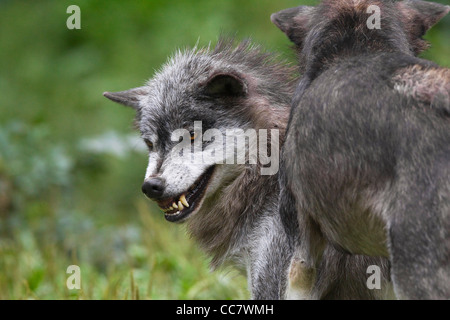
point(154, 188)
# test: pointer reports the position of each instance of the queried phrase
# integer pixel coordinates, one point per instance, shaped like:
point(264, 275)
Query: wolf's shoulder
point(406, 79)
point(428, 85)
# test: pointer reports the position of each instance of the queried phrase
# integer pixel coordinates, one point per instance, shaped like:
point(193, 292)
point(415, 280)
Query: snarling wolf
point(365, 167)
point(230, 209)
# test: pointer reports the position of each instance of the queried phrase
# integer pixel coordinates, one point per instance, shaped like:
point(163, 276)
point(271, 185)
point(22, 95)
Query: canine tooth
point(184, 201)
point(180, 206)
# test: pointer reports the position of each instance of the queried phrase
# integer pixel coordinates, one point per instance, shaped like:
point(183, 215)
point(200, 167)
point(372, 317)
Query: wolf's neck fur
point(346, 35)
point(242, 203)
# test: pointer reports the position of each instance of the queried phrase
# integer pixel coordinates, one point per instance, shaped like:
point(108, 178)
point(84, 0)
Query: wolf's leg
point(343, 276)
point(301, 279)
point(419, 235)
point(270, 259)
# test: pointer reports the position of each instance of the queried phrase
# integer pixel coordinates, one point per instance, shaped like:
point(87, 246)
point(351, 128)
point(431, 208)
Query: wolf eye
point(149, 144)
point(193, 135)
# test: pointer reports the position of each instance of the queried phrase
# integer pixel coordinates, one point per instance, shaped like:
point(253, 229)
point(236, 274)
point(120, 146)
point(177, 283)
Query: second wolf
point(366, 164)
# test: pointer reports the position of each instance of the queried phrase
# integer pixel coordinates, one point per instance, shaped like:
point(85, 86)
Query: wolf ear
point(293, 22)
point(225, 85)
point(418, 17)
point(128, 98)
point(424, 13)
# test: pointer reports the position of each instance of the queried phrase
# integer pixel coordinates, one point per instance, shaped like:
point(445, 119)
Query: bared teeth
point(183, 201)
point(179, 205)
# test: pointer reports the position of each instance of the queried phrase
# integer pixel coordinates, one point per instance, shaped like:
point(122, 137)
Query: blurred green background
point(71, 165)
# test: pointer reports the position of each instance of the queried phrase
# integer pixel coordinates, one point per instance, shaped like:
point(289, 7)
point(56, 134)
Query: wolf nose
point(153, 188)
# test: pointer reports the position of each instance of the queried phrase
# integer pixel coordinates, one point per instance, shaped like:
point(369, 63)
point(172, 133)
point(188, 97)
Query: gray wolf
point(231, 210)
point(365, 167)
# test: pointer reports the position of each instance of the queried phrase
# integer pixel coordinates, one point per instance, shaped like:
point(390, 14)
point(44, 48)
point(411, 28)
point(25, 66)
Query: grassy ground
point(70, 175)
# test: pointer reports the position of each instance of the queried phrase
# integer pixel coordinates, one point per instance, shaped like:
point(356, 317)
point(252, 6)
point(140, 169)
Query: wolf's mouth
point(179, 207)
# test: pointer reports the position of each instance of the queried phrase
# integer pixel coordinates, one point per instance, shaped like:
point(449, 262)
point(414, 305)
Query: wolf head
point(185, 111)
point(337, 28)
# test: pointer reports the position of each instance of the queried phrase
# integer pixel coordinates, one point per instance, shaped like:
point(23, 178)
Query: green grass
point(145, 259)
point(61, 204)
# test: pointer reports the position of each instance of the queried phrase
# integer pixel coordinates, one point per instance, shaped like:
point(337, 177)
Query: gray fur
point(366, 161)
